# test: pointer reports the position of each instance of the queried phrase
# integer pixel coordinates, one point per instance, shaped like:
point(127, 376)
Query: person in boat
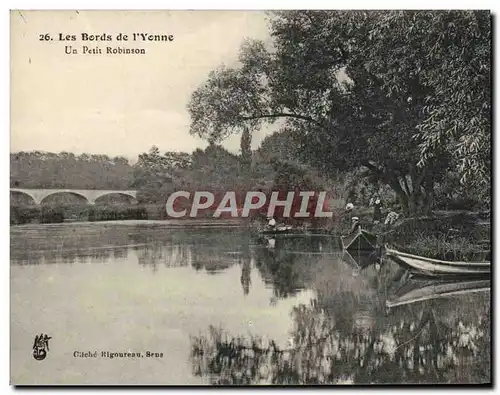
point(348, 213)
point(355, 225)
point(271, 223)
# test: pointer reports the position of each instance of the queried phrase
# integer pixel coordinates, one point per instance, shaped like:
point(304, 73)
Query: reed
point(448, 247)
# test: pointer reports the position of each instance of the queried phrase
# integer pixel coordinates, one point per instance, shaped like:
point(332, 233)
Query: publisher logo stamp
point(41, 347)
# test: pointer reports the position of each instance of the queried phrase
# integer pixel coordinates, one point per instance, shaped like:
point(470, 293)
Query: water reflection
point(344, 335)
point(413, 345)
point(288, 264)
point(31, 244)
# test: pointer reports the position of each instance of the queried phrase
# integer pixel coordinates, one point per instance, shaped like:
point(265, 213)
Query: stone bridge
point(90, 195)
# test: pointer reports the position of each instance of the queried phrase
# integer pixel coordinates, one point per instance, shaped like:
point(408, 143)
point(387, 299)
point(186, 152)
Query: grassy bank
point(92, 213)
point(452, 236)
point(457, 248)
point(68, 213)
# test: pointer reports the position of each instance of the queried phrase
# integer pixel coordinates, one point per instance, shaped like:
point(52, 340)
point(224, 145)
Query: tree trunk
point(402, 196)
point(413, 199)
point(415, 203)
point(246, 149)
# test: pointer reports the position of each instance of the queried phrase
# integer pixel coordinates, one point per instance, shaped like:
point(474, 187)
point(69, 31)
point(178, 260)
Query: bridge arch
point(131, 196)
point(31, 198)
point(63, 192)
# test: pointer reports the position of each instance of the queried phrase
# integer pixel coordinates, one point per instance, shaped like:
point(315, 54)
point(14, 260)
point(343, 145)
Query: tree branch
point(285, 115)
point(406, 186)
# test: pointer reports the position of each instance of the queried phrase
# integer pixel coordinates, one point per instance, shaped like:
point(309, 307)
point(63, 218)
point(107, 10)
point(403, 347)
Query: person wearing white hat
point(348, 210)
point(377, 211)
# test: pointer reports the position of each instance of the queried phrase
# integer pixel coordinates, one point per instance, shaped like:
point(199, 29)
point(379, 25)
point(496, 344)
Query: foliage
point(116, 212)
point(49, 215)
point(58, 214)
point(362, 88)
point(448, 247)
point(65, 170)
point(155, 174)
point(458, 114)
point(23, 214)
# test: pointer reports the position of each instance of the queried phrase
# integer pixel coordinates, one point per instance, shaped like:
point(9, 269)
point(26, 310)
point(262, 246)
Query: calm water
point(218, 306)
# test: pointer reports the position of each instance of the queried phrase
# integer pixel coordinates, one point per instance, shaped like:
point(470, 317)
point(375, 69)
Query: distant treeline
point(156, 175)
point(274, 166)
point(65, 170)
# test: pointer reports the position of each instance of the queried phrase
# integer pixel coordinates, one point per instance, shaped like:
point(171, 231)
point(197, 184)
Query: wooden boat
point(438, 268)
point(435, 289)
point(361, 240)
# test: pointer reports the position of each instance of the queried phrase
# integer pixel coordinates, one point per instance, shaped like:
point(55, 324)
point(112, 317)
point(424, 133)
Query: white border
point(149, 4)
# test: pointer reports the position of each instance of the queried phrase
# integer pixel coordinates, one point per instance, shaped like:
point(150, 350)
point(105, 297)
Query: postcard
point(243, 198)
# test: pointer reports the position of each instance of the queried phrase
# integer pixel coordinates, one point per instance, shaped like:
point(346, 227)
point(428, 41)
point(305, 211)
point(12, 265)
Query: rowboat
point(360, 240)
point(435, 289)
point(438, 268)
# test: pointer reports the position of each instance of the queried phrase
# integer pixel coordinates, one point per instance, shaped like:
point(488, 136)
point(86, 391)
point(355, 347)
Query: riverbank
point(175, 223)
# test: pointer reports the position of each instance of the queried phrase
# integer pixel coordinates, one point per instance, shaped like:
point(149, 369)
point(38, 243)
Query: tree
point(158, 175)
point(65, 170)
point(457, 68)
point(361, 89)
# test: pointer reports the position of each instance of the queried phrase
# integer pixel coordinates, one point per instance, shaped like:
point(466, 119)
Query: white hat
point(355, 218)
point(349, 206)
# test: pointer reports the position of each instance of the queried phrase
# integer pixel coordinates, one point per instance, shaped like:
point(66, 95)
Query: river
point(218, 306)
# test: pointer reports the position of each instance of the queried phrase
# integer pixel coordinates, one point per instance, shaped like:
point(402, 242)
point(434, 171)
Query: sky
point(118, 105)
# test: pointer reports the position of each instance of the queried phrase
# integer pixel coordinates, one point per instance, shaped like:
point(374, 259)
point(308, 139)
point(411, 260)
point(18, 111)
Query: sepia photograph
point(250, 198)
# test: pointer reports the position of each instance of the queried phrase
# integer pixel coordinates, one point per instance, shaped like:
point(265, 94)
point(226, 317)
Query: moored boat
point(361, 240)
point(438, 268)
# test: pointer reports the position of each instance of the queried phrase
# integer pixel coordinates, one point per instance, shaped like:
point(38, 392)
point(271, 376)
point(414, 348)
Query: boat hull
point(359, 241)
point(437, 268)
point(360, 261)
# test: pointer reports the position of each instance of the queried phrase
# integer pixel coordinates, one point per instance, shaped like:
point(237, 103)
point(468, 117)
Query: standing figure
point(377, 210)
point(391, 218)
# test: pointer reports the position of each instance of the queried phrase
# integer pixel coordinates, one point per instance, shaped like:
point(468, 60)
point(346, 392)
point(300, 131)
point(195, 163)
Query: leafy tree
point(372, 89)
point(66, 170)
point(158, 175)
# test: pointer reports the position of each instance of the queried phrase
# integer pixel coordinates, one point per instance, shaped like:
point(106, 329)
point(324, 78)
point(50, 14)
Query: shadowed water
point(223, 307)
